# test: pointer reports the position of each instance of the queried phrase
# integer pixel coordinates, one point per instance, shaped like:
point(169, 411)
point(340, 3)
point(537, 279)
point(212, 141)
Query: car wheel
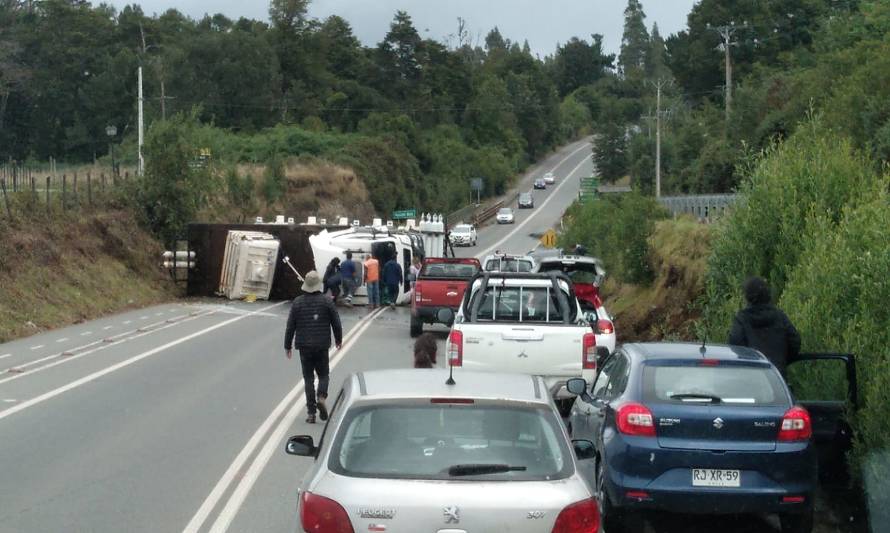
point(797, 522)
point(416, 327)
point(613, 520)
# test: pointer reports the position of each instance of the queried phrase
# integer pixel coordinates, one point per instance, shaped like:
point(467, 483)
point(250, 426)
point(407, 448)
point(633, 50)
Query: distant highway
point(173, 418)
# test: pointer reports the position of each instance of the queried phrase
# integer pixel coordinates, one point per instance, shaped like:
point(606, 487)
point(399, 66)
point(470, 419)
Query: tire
point(615, 520)
point(416, 327)
point(797, 522)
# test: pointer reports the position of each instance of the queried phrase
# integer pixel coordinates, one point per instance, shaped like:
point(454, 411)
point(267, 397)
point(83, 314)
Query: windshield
point(461, 229)
point(429, 441)
point(449, 270)
point(722, 383)
point(505, 211)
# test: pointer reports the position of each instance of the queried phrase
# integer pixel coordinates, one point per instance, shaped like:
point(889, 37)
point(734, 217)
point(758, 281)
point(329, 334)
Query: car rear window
point(508, 265)
point(425, 441)
point(578, 272)
point(730, 383)
point(461, 229)
point(449, 270)
point(519, 304)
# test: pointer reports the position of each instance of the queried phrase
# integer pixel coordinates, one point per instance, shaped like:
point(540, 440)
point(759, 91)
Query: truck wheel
point(416, 327)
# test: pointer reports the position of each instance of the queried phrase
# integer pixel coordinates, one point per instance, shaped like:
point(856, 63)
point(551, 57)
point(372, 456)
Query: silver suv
point(404, 451)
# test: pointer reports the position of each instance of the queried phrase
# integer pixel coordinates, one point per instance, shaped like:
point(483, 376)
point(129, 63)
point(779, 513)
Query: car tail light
point(456, 348)
point(323, 515)
point(636, 419)
point(605, 326)
point(793, 499)
point(709, 362)
point(588, 351)
point(580, 517)
point(464, 401)
point(796, 425)
point(637, 495)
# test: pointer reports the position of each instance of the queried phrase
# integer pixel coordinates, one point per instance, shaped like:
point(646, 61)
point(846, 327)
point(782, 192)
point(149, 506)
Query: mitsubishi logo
point(522, 354)
point(718, 422)
point(452, 514)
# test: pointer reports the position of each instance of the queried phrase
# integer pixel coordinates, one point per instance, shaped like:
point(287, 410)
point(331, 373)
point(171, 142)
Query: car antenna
point(703, 348)
point(450, 380)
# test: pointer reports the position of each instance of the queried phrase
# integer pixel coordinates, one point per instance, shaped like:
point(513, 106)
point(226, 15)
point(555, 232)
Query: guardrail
point(704, 206)
point(487, 213)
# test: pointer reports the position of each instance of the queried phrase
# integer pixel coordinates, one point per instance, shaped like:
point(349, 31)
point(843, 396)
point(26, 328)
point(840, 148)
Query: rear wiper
point(694, 396)
point(479, 469)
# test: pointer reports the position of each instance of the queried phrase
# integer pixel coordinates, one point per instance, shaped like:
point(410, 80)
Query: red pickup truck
point(440, 284)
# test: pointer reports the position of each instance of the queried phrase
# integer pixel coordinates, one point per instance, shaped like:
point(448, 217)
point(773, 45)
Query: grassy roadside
point(74, 267)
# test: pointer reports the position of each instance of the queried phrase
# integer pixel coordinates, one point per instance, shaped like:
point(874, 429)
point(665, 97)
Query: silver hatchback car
point(404, 451)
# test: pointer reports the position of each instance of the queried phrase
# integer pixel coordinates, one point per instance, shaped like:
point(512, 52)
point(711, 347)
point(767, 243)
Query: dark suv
point(695, 428)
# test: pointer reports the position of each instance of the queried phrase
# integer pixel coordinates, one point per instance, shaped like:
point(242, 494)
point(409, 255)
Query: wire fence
point(28, 191)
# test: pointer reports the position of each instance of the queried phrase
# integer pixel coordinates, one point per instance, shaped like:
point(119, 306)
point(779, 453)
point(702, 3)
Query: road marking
point(522, 224)
point(10, 400)
point(69, 354)
point(159, 314)
point(143, 318)
point(237, 498)
point(107, 327)
point(4, 356)
point(127, 322)
point(39, 346)
point(63, 339)
point(125, 363)
point(85, 333)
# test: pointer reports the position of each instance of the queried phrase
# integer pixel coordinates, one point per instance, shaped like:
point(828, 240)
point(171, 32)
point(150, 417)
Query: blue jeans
point(373, 293)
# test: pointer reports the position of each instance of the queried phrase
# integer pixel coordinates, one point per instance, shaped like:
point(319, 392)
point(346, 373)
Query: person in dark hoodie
point(765, 327)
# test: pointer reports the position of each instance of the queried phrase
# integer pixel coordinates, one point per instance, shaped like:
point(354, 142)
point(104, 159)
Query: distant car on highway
point(404, 451)
point(690, 428)
point(501, 262)
point(463, 235)
point(549, 178)
point(540, 183)
point(505, 216)
point(526, 200)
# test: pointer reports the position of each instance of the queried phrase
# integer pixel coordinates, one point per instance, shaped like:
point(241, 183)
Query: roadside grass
point(74, 267)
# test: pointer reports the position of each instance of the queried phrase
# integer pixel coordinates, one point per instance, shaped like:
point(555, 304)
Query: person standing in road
point(372, 281)
point(332, 279)
point(312, 319)
point(392, 278)
point(348, 273)
point(765, 327)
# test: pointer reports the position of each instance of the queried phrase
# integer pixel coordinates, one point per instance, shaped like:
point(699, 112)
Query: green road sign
point(403, 214)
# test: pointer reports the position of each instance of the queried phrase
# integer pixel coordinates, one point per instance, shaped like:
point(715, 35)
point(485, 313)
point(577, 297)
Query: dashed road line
point(85, 333)
point(107, 327)
point(127, 322)
point(127, 362)
point(4, 356)
point(39, 346)
point(143, 318)
point(9, 400)
point(63, 339)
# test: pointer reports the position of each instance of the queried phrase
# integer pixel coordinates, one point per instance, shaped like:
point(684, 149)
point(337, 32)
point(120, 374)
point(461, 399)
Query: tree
point(578, 63)
point(398, 57)
point(655, 56)
point(634, 41)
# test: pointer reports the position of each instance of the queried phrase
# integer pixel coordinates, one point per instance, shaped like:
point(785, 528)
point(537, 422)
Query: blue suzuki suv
point(695, 429)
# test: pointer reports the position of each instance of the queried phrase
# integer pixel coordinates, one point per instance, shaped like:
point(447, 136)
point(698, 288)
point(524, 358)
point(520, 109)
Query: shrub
point(274, 180)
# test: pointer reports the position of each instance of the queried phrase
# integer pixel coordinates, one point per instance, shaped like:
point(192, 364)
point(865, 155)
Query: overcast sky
point(543, 22)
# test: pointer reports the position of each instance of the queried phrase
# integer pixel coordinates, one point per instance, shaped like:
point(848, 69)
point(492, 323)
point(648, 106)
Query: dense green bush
point(616, 229)
point(813, 173)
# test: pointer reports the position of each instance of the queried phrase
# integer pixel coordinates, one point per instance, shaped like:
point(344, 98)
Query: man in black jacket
point(312, 318)
point(765, 327)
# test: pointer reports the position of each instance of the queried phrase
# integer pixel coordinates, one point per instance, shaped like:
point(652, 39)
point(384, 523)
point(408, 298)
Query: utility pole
point(659, 85)
point(141, 166)
point(726, 35)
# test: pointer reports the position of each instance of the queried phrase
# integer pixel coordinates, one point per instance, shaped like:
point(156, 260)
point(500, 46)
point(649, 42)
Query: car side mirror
point(584, 449)
point(445, 316)
point(578, 387)
point(302, 445)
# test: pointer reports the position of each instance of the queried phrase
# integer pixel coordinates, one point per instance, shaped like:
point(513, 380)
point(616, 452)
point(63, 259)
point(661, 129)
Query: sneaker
point(322, 409)
point(310, 419)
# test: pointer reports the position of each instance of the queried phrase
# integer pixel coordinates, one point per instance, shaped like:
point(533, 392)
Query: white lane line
point(540, 209)
point(63, 339)
point(125, 363)
point(143, 318)
point(9, 400)
point(107, 327)
point(127, 322)
point(102, 345)
point(39, 346)
point(85, 333)
point(159, 314)
point(237, 497)
point(4, 356)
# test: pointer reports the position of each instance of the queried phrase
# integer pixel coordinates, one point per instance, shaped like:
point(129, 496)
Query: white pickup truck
point(524, 323)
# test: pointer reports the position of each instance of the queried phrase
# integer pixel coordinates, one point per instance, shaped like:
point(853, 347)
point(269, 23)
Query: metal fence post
point(89, 189)
point(74, 189)
point(47, 195)
point(64, 191)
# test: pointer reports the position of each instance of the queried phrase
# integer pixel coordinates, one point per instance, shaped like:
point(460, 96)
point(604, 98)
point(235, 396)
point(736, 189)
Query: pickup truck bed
point(440, 285)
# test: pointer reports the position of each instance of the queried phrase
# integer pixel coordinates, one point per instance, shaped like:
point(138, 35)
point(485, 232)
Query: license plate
point(712, 477)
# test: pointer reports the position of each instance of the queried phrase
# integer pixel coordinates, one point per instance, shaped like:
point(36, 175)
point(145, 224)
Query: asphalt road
point(173, 418)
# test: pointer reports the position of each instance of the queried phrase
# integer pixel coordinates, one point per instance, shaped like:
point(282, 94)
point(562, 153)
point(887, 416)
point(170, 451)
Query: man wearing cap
point(312, 319)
